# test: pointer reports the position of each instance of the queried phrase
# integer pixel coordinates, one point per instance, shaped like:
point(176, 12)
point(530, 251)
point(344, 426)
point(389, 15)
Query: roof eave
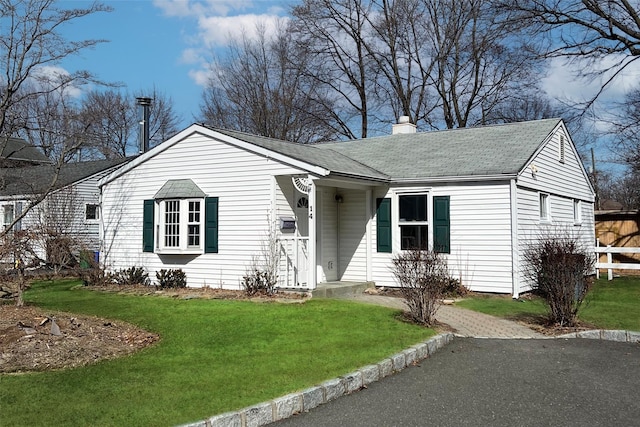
point(455, 178)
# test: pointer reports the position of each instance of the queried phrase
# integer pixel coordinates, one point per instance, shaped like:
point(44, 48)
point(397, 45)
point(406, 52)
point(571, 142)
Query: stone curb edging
point(605, 335)
point(303, 401)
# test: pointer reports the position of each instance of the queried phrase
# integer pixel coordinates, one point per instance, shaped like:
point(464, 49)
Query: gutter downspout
point(368, 232)
point(514, 238)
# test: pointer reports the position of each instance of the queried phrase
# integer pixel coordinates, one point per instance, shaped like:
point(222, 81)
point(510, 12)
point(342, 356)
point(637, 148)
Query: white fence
point(610, 265)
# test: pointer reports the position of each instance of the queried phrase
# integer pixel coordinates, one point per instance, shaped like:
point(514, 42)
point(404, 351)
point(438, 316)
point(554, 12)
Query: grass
point(214, 356)
point(610, 305)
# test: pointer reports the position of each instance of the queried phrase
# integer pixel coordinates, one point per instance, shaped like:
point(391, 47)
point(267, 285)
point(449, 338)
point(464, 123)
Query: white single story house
point(205, 200)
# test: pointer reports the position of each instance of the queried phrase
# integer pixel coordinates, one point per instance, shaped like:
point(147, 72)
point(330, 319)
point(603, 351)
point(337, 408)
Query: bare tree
point(480, 61)
point(521, 107)
point(49, 122)
point(163, 120)
point(625, 130)
point(624, 189)
point(31, 47)
point(403, 61)
point(110, 119)
point(601, 32)
point(333, 32)
point(260, 87)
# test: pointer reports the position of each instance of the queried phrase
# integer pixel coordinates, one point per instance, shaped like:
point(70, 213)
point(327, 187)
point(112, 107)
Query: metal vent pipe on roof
point(145, 112)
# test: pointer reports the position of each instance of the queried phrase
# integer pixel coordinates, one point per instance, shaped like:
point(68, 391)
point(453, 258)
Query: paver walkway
point(466, 323)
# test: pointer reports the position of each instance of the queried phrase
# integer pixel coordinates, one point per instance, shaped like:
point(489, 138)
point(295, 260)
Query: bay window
point(180, 219)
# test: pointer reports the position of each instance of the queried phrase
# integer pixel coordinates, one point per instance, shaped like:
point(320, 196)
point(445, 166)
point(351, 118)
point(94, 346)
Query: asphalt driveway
point(493, 382)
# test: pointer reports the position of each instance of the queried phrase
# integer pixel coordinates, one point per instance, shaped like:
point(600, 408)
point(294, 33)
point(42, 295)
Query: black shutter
point(441, 224)
point(148, 225)
point(211, 225)
point(383, 225)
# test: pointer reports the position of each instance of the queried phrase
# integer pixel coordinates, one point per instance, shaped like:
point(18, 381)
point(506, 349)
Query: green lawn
point(214, 356)
point(610, 305)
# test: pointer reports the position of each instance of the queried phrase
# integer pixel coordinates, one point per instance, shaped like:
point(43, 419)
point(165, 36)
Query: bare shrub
point(16, 255)
point(424, 278)
point(559, 267)
point(262, 274)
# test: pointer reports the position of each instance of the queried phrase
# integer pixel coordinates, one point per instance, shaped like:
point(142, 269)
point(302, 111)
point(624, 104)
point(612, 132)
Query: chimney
point(403, 126)
point(145, 111)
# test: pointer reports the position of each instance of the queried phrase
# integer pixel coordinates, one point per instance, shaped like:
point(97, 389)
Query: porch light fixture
point(339, 198)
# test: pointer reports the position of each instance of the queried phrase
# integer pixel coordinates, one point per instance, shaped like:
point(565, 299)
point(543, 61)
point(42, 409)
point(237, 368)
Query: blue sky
point(168, 44)
point(163, 43)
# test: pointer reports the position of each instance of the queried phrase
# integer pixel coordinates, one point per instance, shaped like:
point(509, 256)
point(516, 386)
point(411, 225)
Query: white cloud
point(218, 30)
point(215, 23)
point(46, 75)
point(567, 80)
point(192, 8)
point(191, 56)
point(200, 76)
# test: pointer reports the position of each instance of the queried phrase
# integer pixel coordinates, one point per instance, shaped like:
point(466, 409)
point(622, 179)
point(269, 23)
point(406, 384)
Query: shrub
point(171, 278)
point(424, 278)
point(455, 289)
point(94, 276)
point(258, 281)
point(558, 268)
point(60, 250)
point(131, 276)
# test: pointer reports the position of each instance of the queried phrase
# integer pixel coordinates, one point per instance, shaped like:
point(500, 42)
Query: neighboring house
point(71, 203)
point(17, 152)
point(204, 201)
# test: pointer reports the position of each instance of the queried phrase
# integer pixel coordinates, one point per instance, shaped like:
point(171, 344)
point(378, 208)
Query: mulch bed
point(32, 339)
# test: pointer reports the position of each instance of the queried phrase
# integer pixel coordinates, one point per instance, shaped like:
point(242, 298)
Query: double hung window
point(180, 224)
point(413, 221)
point(544, 207)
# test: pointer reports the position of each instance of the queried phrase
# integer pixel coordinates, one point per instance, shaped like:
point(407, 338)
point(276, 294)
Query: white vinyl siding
point(530, 229)
point(568, 189)
point(352, 236)
point(480, 237)
point(240, 179)
point(566, 179)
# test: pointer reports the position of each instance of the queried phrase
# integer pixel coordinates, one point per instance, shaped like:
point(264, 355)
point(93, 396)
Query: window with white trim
point(194, 229)
point(544, 207)
point(7, 215)
point(577, 212)
point(180, 225)
point(413, 221)
point(91, 212)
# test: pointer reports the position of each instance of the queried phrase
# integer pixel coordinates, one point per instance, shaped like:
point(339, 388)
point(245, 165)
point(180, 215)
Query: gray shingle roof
point(179, 189)
point(312, 154)
point(480, 151)
point(36, 179)
point(19, 149)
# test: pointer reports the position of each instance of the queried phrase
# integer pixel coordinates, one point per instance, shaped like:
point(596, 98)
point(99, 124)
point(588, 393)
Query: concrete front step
point(340, 289)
